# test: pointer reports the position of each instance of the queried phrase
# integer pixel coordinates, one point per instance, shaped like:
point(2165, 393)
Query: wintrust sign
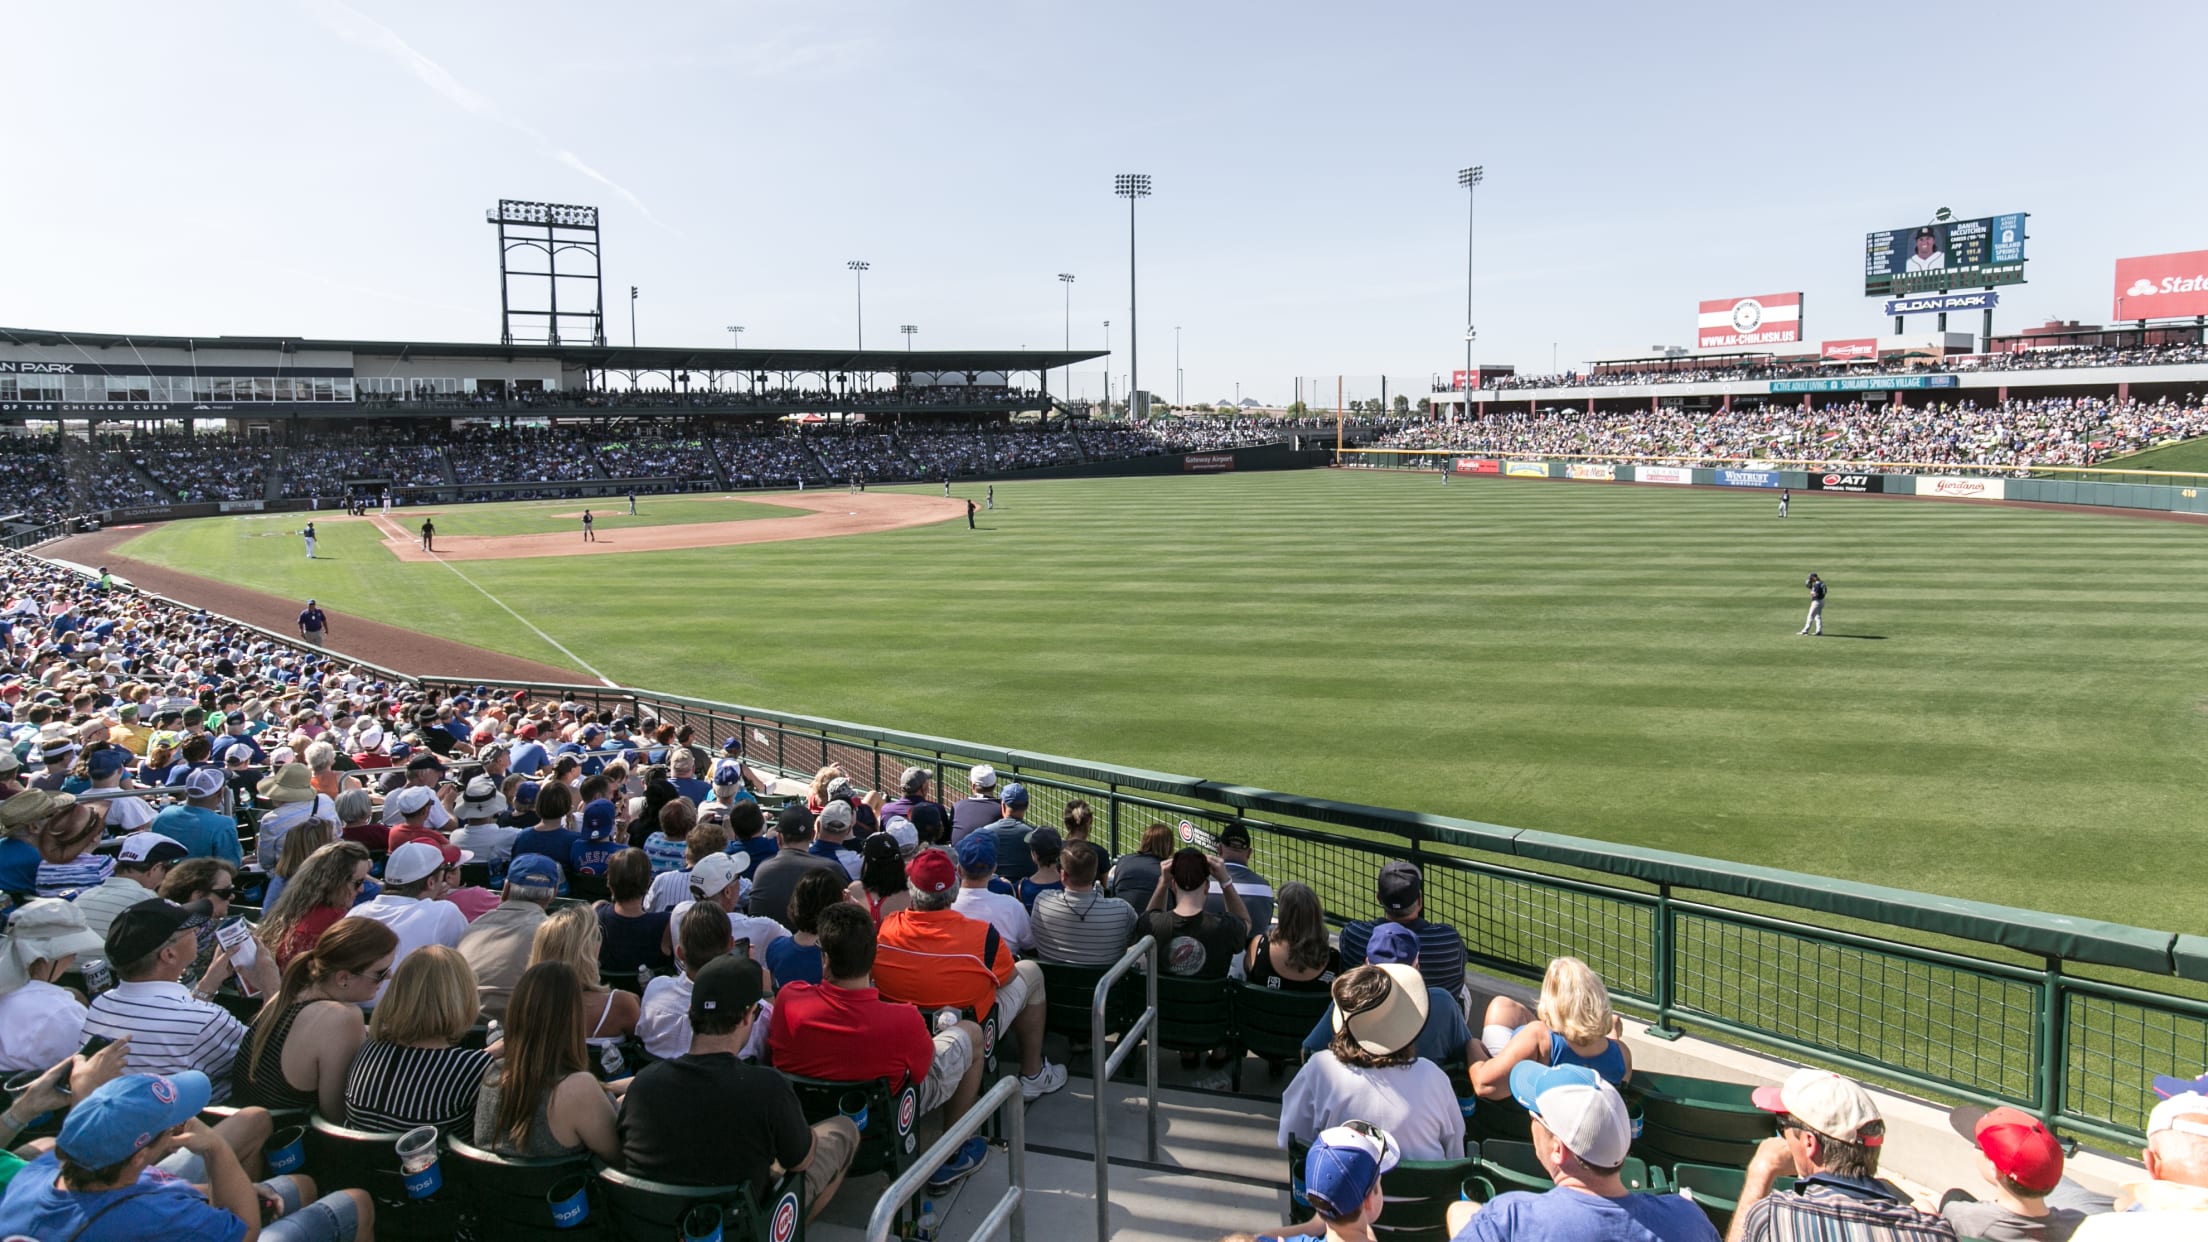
point(2162, 286)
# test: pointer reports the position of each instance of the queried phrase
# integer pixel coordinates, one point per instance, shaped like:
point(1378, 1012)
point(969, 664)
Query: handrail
point(1004, 1098)
point(1144, 951)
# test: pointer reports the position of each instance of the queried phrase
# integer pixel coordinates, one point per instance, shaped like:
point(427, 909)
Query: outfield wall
point(2158, 491)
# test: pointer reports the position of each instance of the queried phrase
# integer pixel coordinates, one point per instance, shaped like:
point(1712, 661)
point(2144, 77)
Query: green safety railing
point(2067, 1017)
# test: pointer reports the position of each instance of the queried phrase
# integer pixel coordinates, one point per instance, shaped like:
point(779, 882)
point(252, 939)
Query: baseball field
point(2003, 706)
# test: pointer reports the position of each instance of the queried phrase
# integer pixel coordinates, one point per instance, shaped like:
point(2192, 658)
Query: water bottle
point(925, 1231)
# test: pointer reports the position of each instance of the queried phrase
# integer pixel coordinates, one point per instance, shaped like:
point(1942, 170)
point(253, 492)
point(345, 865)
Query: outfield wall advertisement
point(1847, 482)
point(1598, 471)
point(1969, 489)
point(1478, 465)
point(1748, 478)
point(1663, 474)
point(1526, 469)
point(1208, 462)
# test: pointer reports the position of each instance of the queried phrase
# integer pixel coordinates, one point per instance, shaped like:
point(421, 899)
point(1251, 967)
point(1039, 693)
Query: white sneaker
point(1045, 1080)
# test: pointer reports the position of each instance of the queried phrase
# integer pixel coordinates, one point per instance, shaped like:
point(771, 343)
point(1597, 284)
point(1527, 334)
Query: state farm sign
point(2162, 286)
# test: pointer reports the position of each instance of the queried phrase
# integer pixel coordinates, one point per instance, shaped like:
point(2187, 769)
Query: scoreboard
point(1953, 254)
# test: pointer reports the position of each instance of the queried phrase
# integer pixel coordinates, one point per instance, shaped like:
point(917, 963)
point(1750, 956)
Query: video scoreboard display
point(1951, 254)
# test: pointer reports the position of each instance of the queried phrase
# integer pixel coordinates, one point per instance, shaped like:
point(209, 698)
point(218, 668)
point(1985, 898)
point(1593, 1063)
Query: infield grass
point(2003, 709)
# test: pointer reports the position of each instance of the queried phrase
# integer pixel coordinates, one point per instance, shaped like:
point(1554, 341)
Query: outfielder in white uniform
point(309, 533)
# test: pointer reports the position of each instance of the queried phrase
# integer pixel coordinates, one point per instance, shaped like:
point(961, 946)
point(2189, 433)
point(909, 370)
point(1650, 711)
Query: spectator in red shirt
point(842, 1030)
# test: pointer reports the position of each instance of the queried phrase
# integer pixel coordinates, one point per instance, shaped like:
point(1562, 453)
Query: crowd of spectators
point(2048, 431)
point(772, 459)
point(196, 467)
point(322, 467)
point(34, 486)
point(1684, 371)
point(735, 394)
point(520, 455)
point(641, 452)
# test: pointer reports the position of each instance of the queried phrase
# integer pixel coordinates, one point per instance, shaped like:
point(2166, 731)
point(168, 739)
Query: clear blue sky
point(321, 169)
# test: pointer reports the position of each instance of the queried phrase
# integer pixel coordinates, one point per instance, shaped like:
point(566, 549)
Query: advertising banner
point(2162, 286)
point(1526, 469)
point(1602, 471)
point(1478, 465)
point(1663, 474)
point(1854, 349)
point(1208, 462)
point(1933, 303)
point(1972, 489)
point(1766, 319)
point(1864, 383)
point(1847, 482)
point(1748, 478)
point(243, 506)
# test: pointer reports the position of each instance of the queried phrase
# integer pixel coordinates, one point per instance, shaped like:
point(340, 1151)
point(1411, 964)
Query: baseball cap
point(932, 871)
point(113, 1123)
point(140, 930)
point(899, 829)
point(1825, 1102)
point(838, 817)
point(423, 762)
point(1045, 839)
point(533, 871)
point(1390, 1023)
point(715, 872)
point(2021, 1148)
point(525, 794)
point(203, 783)
point(1392, 943)
point(839, 790)
point(33, 805)
point(105, 762)
point(793, 821)
point(978, 851)
point(47, 929)
point(413, 862)
point(730, 983)
point(1234, 834)
point(2167, 1085)
point(1401, 886)
point(152, 849)
point(1015, 794)
point(2170, 1114)
point(982, 776)
point(598, 818)
point(1585, 1113)
point(412, 800)
point(1343, 1165)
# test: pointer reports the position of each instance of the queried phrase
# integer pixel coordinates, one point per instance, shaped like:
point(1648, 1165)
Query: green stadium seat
point(1195, 1015)
point(1271, 1023)
point(509, 1200)
point(1070, 993)
point(641, 1210)
point(1696, 1120)
point(339, 1158)
point(1716, 1190)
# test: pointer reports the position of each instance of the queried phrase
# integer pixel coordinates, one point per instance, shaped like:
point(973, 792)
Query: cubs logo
point(907, 1105)
point(163, 1090)
point(988, 1039)
point(785, 1219)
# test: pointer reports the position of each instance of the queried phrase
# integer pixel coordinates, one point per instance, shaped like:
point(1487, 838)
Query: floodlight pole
point(1132, 186)
point(908, 330)
point(1470, 179)
point(1107, 368)
point(632, 316)
point(858, 271)
point(736, 330)
point(1176, 364)
point(1066, 279)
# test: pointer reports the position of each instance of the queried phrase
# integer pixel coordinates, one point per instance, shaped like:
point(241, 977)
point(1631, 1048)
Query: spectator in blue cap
point(1447, 1038)
point(981, 897)
point(124, 1167)
point(1013, 863)
point(497, 945)
point(1341, 1181)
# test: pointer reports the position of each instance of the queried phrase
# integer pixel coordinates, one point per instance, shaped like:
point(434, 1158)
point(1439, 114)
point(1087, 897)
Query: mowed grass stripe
point(1616, 662)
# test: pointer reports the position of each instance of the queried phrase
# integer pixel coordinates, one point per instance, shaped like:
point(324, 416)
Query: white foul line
point(585, 664)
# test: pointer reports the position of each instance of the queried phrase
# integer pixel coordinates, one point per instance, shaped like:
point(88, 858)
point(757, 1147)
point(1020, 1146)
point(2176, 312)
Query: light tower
point(1132, 186)
point(858, 273)
point(1470, 179)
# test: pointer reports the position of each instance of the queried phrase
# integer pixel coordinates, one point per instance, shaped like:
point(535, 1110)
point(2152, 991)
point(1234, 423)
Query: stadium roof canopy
point(601, 357)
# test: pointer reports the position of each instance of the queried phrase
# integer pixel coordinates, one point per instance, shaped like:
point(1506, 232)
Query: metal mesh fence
point(2114, 1040)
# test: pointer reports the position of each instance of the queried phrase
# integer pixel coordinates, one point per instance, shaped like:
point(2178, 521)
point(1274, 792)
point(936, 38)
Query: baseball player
point(969, 514)
point(1816, 622)
point(590, 533)
point(429, 535)
point(632, 502)
point(1445, 472)
point(992, 498)
point(1784, 496)
point(309, 533)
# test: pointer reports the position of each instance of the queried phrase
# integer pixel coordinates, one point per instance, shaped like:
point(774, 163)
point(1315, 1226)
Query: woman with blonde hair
point(816, 795)
point(571, 936)
point(412, 1070)
point(540, 1101)
point(319, 894)
point(1571, 1025)
point(304, 1039)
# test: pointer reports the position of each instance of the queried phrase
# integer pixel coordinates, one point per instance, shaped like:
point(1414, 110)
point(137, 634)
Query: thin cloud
point(356, 27)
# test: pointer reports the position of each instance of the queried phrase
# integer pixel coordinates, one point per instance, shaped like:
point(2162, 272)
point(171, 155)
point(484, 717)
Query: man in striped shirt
point(1083, 925)
point(1402, 893)
point(172, 1028)
point(1830, 1136)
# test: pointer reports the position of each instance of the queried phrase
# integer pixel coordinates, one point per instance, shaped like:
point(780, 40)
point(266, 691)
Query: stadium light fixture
point(736, 330)
point(1066, 279)
point(1107, 368)
point(632, 316)
point(1470, 179)
point(1132, 186)
point(908, 330)
point(858, 271)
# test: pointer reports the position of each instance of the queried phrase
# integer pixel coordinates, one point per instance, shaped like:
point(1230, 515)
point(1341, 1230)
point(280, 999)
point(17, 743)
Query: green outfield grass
point(2188, 455)
point(2006, 709)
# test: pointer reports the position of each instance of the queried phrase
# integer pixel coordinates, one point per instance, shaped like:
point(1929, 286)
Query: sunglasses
point(224, 893)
